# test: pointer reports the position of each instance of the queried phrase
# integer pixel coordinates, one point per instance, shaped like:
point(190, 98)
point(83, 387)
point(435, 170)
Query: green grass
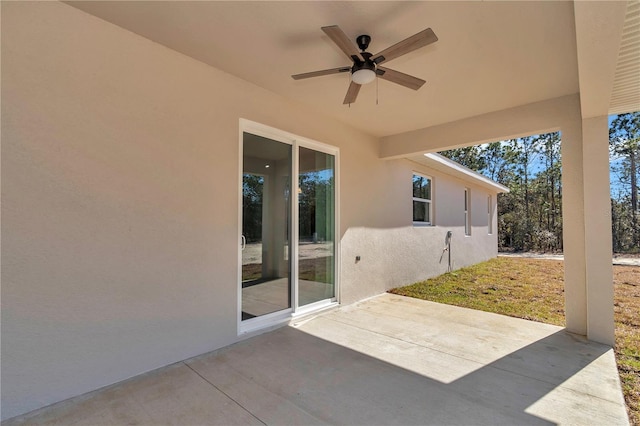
point(534, 289)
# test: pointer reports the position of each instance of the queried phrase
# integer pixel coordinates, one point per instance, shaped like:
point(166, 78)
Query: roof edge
point(460, 169)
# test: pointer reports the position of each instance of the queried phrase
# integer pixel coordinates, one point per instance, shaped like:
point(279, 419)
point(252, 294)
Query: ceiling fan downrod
point(363, 41)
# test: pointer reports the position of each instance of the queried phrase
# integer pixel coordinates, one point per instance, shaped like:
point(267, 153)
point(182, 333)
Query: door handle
point(243, 242)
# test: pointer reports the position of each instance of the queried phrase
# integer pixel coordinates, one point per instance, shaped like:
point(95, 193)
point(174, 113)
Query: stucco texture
point(120, 204)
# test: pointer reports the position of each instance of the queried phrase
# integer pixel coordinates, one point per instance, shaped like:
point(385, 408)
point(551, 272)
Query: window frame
point(467, 212)
point(490, 214)
point(428, 202)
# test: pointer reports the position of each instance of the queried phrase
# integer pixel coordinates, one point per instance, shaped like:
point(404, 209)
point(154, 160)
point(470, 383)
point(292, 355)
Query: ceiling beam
point(532, 119)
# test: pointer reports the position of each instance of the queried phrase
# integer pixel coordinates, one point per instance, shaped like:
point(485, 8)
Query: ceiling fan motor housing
point(367, 64)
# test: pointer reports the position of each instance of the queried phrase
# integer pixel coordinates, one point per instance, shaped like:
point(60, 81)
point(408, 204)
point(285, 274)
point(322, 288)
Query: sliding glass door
point(266, 207)
point(316, 226)
point(288, 240)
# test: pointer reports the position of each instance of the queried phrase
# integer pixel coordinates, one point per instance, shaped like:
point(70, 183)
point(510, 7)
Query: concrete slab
point(386, 360)
point(618, 259)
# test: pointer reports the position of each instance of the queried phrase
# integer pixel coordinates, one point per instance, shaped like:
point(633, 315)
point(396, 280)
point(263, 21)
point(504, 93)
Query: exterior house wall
point(402, 253)
point(119, 205)
point(580, 165)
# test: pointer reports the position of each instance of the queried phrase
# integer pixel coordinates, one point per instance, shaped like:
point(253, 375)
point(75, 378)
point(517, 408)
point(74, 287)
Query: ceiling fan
point(366, 66)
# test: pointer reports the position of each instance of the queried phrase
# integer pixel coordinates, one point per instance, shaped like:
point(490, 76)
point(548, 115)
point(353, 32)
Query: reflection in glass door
point(266, 207)
point(288, 241)
point(316, 226)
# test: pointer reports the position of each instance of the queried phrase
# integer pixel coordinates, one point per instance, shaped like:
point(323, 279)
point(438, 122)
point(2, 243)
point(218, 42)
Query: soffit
point(490, 55)
point(626, 86)
point(599, 31)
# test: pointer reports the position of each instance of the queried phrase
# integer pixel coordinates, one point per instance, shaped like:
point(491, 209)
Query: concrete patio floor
point(387, 360)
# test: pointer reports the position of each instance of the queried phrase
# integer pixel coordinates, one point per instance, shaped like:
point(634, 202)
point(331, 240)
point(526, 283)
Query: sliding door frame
point(275, 318)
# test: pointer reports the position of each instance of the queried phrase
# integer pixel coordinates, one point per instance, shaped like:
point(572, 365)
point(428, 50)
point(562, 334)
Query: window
point(421, 200)
point(467, 211)
point(489, 215)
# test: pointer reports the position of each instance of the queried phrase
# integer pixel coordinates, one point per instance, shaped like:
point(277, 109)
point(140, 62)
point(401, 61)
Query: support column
point(573, 229)
point(597, 223)
point(586, 215)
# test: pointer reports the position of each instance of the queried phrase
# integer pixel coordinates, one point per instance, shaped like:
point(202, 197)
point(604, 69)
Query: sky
point(616, 187)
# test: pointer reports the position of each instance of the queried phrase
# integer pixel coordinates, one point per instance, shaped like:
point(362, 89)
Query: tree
point(529, 216)
point(498, 162)
point(527, 151)
point(551, 188)
point(252, 197)
point(470, 156)
point(624, 144)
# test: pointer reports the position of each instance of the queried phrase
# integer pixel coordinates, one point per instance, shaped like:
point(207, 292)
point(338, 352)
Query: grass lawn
point(533, 289)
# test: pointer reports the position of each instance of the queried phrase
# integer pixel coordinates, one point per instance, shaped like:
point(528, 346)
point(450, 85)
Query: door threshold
point(264, 321)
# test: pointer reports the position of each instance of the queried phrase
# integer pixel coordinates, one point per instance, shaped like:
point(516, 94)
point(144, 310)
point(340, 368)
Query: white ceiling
point(490, 55)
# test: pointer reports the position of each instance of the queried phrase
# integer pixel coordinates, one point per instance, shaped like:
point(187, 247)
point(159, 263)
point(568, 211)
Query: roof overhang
point(450, 167)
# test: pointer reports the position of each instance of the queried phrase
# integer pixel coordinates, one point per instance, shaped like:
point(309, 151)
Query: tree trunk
point(634, 196)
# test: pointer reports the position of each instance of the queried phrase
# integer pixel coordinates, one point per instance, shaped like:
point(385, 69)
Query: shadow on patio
point(387, 360)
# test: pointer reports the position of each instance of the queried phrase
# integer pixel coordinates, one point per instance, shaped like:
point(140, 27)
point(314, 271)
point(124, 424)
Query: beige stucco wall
point(400, 253)
point(120, 204)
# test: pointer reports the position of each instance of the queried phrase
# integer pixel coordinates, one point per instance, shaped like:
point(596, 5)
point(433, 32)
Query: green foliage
point(624, 144)
point(252, 196)
point(529, 216)
point(469, 156)
point(315, 196)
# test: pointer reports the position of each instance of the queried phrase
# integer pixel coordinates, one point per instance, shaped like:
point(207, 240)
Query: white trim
point(276, 318)
point(490, 214)
point(239, 192)
point(467, 212)
point(459, 168)
point(264, 321)
point(337, 289)
point(314, 307)
point(265, 131)
point(295, 230)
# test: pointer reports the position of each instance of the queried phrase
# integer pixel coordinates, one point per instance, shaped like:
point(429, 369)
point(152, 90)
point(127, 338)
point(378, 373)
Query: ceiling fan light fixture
point(363, 76)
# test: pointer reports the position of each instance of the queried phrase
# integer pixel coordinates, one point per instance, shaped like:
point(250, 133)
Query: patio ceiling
point(490, 56)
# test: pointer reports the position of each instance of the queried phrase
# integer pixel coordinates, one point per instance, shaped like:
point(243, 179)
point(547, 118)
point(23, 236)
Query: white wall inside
point(119, 204)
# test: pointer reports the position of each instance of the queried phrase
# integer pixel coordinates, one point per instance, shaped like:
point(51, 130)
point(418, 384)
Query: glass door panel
point(316, 226)
point(266, 226)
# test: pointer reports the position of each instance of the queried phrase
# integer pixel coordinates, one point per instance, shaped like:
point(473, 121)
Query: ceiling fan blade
point(352, 93)
point(342, 41)
point(407, 45)
point(400, 78)
point(320, 73)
